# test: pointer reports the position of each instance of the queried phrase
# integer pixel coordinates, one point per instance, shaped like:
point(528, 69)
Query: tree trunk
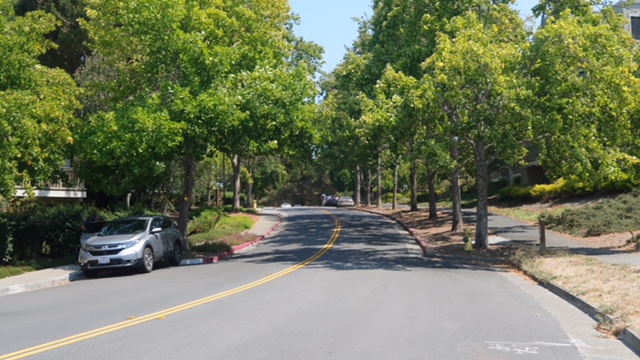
point(482, 212)
point(395, 189)
point(369, 182)
point(186, 200)
point(236, 183)
point(456, 197)
point(433, 197)
point(414, 185)
point(358, 185)
point(379, 195)
point(250, 196)
point(224, 178)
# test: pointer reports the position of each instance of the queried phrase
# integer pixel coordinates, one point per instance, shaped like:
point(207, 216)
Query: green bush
point(516, 192)
point(387, 198)
point(562, 187)
point(215, 234)
point(206, 228)
point(39, 231)
point(214, 247)
point(620, 214)
point(6, 241)
point(205, 221)
point(236, 223)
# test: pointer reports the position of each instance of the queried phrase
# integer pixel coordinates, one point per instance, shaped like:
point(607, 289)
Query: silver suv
point(135, 242)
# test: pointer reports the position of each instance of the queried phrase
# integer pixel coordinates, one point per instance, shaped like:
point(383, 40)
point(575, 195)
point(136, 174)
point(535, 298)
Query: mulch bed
point(439, 239)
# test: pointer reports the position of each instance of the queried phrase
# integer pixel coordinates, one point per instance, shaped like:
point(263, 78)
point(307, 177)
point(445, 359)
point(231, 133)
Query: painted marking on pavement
point(521, 348)
point(21, 354)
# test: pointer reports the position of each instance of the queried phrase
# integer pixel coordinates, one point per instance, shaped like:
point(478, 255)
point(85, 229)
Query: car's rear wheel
point(177, 254)
point(147, 260)
point(90, 273)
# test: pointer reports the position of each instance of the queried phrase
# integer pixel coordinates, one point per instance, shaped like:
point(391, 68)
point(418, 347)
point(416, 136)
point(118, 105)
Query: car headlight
point(85, 247)
point(128, 244)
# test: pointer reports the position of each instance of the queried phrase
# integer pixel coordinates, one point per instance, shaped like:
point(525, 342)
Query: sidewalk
point(263, 228)
point(511, 231)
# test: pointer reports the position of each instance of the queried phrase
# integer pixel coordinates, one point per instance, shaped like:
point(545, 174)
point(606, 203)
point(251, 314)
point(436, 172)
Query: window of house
point(635, 27)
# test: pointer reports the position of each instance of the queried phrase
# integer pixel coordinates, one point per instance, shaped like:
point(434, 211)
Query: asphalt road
point(332, 284)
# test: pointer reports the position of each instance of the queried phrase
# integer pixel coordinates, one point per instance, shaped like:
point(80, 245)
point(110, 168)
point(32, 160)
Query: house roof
point(623, 3)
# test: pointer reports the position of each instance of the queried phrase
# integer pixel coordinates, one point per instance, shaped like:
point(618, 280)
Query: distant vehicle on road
point(331, 200)
point(345, 201)
point(132, 242)
point(285, 205)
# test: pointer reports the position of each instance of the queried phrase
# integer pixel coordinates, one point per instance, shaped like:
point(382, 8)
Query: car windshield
point(125, 226)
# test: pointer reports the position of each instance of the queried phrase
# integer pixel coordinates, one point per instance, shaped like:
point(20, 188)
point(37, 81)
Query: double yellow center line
point(174, 310)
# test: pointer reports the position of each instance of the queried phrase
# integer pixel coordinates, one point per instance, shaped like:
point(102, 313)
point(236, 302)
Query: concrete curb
point(73, 275)
point(14, 289)
point(70, 273)
point(627, 336)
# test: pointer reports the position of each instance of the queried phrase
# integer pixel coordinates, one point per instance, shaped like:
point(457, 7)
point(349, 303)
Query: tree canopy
point(37, 104)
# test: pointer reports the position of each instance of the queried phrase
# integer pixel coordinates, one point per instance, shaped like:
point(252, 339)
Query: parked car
point(344, 201)
point(132, 242)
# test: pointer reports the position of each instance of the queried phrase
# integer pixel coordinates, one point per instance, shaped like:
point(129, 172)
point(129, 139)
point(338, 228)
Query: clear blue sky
point(329, 23)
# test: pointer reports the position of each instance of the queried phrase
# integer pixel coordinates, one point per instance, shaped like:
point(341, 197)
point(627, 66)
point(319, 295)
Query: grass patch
point(21, 267)
point(527, 259)
point(468, 201)
point(227, 227)
point(517, 212)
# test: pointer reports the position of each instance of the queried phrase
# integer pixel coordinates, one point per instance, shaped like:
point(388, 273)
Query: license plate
point(104, 260)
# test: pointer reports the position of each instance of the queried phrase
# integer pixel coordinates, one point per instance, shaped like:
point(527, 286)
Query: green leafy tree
point(340, 113)
point(197, 70)
point(587, 90)
point(481, 98)
point(37, 104)
point(70, 50)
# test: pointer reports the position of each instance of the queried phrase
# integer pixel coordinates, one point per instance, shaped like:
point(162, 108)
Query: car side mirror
point(156, 230)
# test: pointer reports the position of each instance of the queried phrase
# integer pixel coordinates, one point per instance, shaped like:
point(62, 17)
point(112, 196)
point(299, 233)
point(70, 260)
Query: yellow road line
point(174, 310)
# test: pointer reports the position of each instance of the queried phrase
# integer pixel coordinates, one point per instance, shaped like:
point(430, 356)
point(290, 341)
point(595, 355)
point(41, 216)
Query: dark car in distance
point(331, 200)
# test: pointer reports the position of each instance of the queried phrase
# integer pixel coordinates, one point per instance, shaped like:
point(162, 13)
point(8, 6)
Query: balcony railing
point(73, 188)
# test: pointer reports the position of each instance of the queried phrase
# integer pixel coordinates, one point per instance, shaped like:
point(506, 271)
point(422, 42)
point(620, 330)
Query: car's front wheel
point(147, 260)
point(177, 254)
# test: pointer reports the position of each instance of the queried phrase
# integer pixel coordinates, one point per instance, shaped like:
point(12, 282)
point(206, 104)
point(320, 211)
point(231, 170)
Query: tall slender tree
point(482, 98)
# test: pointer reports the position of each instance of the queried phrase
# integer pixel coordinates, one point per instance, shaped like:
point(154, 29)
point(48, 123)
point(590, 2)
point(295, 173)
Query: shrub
point(387, 198)
point(238, 223)
point(201, 238)
point(214, 247)
point(38, 231)
point(205, 221)
point(605, 217)
point(561, 187)
point(516, 192)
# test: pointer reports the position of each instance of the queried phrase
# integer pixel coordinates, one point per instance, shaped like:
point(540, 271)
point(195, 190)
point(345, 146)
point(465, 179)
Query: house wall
point(630, 12)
